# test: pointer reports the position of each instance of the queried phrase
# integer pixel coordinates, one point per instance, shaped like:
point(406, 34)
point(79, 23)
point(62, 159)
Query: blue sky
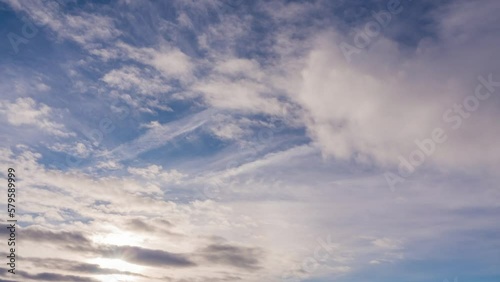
point(230, 140)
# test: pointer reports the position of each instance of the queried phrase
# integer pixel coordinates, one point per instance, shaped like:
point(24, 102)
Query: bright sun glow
point(117, 264)
point(117, 237)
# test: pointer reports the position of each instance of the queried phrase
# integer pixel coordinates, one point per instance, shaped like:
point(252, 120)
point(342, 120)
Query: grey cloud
point(76, 266)
point(3, 229)
point(47, 276)
point(217, 252)
point(241, 257)
point(136, 255)
point(78, 242)
point(150, 226)
point(34, 233)
point(5, 274)
point(138, 224)
point(148, 257)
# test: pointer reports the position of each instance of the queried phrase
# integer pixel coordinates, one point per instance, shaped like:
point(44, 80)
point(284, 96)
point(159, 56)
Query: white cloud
point(130, 78)
point(171, 62)
point(242, 95)
point(109, 165)
point(374, 110)
point(42, 87)
point(153, 172)
point(228, 131)
point(226, 127)
point(27, 112)
point(78, 149)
